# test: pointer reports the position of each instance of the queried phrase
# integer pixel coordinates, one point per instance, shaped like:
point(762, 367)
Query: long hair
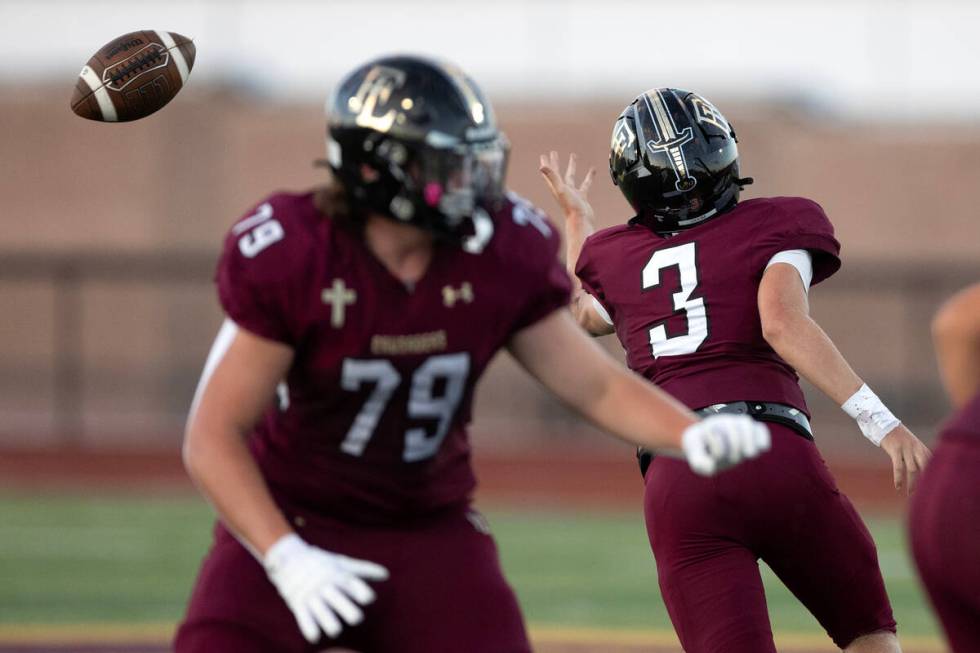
point(332, 201)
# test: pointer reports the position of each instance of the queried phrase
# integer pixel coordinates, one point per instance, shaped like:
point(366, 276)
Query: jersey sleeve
point(552, 293)
point(800, 259)
point(252, 276)
point(798, 223)
point(587, 270)
point(547, 282)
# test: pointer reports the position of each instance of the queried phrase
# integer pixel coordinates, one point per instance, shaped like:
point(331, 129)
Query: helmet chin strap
point(725, 202)
point(690, 222)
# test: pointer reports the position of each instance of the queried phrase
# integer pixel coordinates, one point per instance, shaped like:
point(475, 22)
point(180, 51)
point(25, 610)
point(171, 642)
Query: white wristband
point(872, 416)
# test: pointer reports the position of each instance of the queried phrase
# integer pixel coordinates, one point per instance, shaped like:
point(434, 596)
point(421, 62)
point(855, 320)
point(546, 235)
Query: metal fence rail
point(912, 290)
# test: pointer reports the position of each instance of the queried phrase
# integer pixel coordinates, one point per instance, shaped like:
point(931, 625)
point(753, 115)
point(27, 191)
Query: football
point(132, 76)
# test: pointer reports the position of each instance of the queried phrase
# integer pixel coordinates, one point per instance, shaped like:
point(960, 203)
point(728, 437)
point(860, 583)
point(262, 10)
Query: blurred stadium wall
point(110, 233)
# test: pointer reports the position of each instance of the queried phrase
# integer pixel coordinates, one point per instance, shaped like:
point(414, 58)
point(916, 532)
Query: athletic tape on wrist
point(872, 416)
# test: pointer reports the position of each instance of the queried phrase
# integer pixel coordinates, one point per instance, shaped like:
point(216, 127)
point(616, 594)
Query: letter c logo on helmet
point(375, 90)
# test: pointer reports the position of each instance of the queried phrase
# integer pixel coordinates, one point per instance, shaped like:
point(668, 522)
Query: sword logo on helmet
point(669, 140)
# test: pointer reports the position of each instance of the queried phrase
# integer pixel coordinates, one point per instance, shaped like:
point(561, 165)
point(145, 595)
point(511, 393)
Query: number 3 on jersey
point(684, 258)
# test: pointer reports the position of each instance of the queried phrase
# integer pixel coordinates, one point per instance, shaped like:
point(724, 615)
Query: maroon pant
point(708, 534)
point(944, 520)
point(445, 592)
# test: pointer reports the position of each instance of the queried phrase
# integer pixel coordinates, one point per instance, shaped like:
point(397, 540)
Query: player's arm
point(556, 352)
point(788, 328)
point(579, 225)
point(956, 333)
point(238, 384)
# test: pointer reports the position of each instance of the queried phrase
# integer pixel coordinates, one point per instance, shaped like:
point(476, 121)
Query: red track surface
point(528, 478)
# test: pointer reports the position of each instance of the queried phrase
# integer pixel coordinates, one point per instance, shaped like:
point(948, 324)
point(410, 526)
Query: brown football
point(132, 76)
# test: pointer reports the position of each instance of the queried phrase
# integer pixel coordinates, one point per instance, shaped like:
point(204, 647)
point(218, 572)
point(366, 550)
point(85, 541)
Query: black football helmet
point(675, 158)
point(416, 140)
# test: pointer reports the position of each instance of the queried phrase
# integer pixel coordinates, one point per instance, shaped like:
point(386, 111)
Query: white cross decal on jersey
point(451, 295)
point(339, 297)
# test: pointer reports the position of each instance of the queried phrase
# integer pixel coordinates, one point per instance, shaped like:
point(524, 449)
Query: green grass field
point(105, 559)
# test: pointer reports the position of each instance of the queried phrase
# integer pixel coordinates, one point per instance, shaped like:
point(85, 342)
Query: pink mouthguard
point(432, 193)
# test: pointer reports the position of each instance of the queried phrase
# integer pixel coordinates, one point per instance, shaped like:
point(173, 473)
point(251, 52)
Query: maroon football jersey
point(964, 425)
point(685, 306)
point(372, 425)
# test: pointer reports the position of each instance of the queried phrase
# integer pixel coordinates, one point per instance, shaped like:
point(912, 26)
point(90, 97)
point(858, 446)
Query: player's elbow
point(777, 328)
point(190, 451)
point(954, 320)
point(587, 319)
point(199, 448)
point(581, 316)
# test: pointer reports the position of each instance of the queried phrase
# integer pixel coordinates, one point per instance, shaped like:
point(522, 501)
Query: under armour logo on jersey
point(452, 295)
point(339, 297)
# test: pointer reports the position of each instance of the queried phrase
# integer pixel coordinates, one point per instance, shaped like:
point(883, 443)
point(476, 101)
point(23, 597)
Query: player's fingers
point(554, 161)
point(551, 178)
point(570, 171)
point(726, 442)
point(739, 444)
point(338, 602)
point(357, 589)
point(719, 448)
point(912, 475)
point(307, 623)
point(922, 456)
point(754, 447)
point(364, 568)
point(324, 617)
point(587, 182)
point(701, 462)
point(762, 437)
point(898, 471)
point(753, 444)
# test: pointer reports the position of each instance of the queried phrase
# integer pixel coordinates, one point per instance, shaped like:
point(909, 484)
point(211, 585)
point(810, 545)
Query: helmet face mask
point(455, 180)
point(675, 159)
point(429, 137)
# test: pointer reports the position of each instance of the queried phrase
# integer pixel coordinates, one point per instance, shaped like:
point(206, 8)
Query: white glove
point(320, 586)
point(721, 441)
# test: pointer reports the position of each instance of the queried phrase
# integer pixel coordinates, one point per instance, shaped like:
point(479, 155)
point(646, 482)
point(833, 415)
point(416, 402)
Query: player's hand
point(573, 199)
point(721, 441)
point(909, 457)
point(321, 588)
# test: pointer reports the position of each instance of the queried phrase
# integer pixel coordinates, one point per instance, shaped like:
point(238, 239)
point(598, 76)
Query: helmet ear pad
point(675, 159)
